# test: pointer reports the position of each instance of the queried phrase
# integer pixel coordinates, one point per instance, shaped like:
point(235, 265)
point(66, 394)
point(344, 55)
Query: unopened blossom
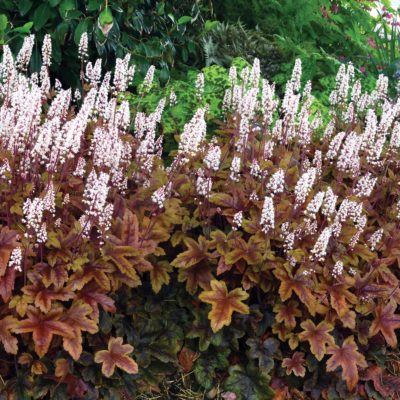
point(296, 75)
point(49, 200)
point(237, 220)
point(212, 158)
point(172, 98)
point(267, 220)
point(148, 79)
point(83, 47)
point(46, 50)
point(365, 185)
point(200, 85)
point(276, 183)
point(24, 55)
point(16, 259)
point(317, 162)
point(375, 238)
point(319, 250)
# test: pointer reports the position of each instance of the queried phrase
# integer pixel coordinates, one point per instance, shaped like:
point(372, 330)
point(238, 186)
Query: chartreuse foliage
point(261, 263)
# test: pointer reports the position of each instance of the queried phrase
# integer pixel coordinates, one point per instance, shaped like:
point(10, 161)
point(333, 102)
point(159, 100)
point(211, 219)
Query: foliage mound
point(263, 259)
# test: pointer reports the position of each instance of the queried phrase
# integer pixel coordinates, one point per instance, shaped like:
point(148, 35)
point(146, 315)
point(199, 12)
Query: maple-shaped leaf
point(126, 249)
point(252, 251)
point(297, 285)
point(287, 313)
point(116, 356)
point(196, 252)
point(56, 275)
point(159, 275)
point(8, 242)
point(295, 364)
point(348, 358)
point(43, 328)
point(77, 318)
point(10, 343)
point(94, 296)
point(195, 276)
point(386, 321)
point(317, 336)
point(43, 297)
point(223, 303)
point(96, 271)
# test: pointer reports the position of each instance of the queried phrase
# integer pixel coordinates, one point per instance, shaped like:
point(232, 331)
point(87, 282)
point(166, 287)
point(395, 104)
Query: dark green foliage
point(229, 40)
point(154, 32)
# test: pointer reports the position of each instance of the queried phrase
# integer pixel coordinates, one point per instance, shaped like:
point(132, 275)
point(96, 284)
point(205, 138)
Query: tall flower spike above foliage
point(83, 47)
point(193, 134)
point(46, 50)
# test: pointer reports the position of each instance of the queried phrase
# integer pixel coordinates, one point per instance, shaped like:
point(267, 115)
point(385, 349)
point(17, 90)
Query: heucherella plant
point(285, 231)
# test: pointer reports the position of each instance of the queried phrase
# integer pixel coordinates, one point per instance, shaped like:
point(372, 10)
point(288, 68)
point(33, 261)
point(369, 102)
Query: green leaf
point(24, 6)
point(65, 6)
point(207, 365)
point(106, 17)
point(248, 384)
point(3, 22)
point(54, 3)
point(41, 16)
point(93, 5)
point(82, 27)
point(264, 352)
point(184, 20)
point(26, 28)
point(209, 25)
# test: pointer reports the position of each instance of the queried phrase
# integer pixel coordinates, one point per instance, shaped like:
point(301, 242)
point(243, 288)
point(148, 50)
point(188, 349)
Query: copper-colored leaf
point(159, 275)
point(223, 303)
point(297, 285)
point(196, 252)
point(7, 284)
point(94, 296)
point(43, 328)
point(8, 242)
point(77, 318)
point(116, 356)
point(287, 312)
point(9, 342)
point(348, 358)
point(386, 321)
point(62, 368)
point(317, 336)
point(295, 364)
point(186, 359)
